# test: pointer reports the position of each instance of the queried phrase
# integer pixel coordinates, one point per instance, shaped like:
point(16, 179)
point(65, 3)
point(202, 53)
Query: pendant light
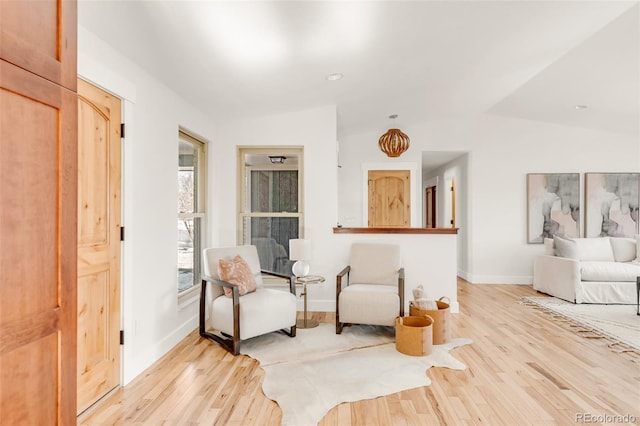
point(394, 142)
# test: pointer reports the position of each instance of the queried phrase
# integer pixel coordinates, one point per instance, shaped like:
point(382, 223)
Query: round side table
point(304, 281)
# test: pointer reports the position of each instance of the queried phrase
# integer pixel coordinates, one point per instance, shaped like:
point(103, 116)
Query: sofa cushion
point(608, 271)
point(624, 249)
point(565, 247)
point(638, 248)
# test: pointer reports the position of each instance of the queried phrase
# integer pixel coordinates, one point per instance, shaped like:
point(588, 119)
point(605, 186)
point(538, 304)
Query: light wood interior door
point(99, 206)
point(389, 198)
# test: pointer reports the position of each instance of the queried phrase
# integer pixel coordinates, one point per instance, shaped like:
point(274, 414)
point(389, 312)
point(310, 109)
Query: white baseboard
point(135, 364)
point(500, 279)
point(464, 275)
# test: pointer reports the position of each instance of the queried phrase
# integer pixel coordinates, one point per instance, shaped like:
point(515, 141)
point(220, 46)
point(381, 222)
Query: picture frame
point(611, 202)
point(553, 206)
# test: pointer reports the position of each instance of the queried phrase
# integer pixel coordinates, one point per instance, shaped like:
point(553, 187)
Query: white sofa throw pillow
point(624, 249)
point(584, 248)
point(595, 249)
point(565, 247)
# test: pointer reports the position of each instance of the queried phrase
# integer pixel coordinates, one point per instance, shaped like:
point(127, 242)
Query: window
point(191, 209)
point(270, 211)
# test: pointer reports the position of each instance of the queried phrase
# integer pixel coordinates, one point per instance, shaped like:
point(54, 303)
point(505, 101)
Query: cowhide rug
point(311, 373)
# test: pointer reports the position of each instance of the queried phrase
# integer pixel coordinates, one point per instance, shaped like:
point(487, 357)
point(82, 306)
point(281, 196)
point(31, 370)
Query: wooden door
point(37, 249)
point(38, 208)
point(389, 198)
point(99, 195)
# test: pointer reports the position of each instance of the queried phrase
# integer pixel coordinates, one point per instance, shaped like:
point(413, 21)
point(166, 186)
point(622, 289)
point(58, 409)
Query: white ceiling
point(422, 60)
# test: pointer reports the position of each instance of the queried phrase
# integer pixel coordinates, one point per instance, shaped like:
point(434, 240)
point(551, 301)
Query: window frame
point(244, 183)
point(200, 209)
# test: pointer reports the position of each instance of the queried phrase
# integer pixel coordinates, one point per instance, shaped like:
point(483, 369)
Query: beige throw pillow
point(236, 272)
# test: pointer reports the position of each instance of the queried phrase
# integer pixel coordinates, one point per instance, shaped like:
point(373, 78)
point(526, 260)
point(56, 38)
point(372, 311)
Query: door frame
point(413, 188)
point(126, 116)
point(123, 104)
point(107, 79)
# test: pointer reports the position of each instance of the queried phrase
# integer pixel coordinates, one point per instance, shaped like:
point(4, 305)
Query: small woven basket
point(414, 335)
point(441, 319)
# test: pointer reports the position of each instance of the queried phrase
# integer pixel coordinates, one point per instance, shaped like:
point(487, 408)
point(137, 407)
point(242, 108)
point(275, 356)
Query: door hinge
point(122, 233)
point(452, 221)
point(122, 130)
point(122, 337)
point(452, 188)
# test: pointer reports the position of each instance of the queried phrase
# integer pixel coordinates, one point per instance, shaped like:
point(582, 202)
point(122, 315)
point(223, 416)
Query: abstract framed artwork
point(553, 205)
point(611, 201)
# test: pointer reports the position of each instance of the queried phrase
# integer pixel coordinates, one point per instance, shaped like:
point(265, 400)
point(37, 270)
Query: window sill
point(189, 297)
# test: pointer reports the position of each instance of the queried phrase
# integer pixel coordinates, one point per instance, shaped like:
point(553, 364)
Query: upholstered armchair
point(370, 290)
point(242, 316)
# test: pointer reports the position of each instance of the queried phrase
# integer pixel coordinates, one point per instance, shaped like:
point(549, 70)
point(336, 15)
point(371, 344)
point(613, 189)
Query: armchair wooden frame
point(345, 272)
point(232, 343)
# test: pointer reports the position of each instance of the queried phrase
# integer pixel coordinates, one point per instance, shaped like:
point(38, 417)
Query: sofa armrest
point(556, 276)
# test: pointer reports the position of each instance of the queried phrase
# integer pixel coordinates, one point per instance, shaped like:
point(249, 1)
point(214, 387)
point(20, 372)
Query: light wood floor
point(523, 368)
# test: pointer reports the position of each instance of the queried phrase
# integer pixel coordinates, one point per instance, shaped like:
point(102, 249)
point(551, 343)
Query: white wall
point(314, 130)
point(502, 152)
point(457, 169)
point(153, 321)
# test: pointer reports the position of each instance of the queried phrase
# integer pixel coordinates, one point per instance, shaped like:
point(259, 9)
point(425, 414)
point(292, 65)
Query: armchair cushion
point(262, 311)
point(374, 264)
point(236, 271)
point(369, 304)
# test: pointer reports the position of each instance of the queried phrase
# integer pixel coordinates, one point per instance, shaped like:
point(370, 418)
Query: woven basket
point(441, 319)
point(414, 335)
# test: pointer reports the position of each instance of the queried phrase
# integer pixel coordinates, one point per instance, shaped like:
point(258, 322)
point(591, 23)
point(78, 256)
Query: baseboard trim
point(500, 279)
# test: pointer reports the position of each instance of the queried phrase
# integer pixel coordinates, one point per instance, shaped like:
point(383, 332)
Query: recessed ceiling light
point(334, 77)
point(579, 107)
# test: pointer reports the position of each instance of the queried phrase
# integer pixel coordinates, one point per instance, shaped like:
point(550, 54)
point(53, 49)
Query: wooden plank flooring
point(523, 368)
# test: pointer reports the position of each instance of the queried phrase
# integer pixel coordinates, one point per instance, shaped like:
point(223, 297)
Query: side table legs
point(306, 323)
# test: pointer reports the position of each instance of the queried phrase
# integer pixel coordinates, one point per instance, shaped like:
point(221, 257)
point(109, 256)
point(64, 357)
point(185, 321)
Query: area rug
point(311, 373)
point(617, 323)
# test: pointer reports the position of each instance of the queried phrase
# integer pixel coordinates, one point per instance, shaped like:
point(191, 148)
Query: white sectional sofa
point(589, 270)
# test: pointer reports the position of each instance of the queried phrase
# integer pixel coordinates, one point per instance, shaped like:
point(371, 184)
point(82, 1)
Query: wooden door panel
point(40, 36)
point(25, 366)
point(93, 184)
point(389, 198)
point(33, 169)
point(96, 361)
point(98, 259)
point(38, 125)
